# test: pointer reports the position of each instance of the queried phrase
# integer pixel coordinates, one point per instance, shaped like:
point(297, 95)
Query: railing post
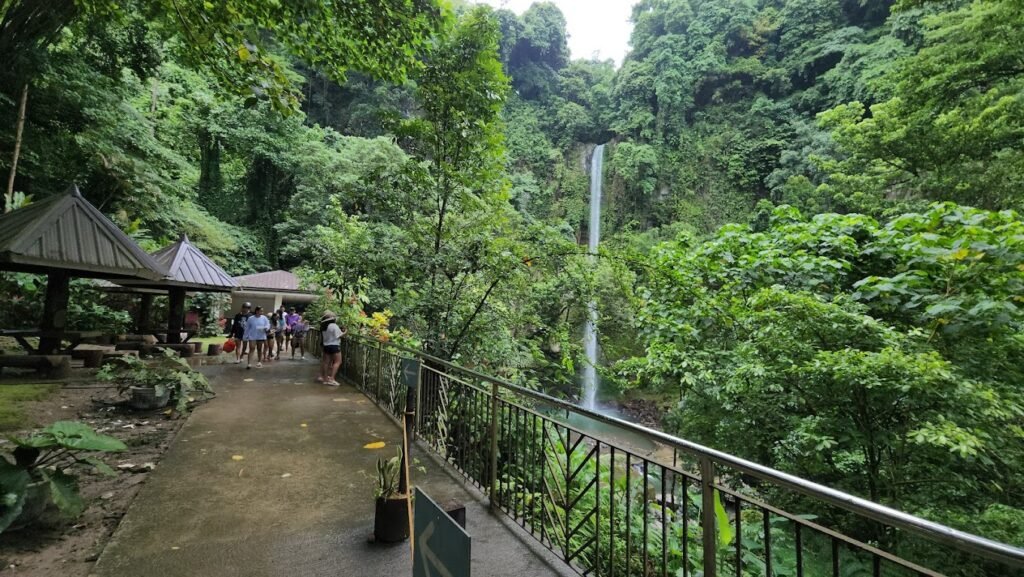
point(418, 421)
point(709, 531)
point(380, 368)
point(494, 446)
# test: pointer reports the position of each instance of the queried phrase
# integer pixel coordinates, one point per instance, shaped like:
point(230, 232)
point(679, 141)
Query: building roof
point(271, 281)
point(187, 266)
point(65, 232)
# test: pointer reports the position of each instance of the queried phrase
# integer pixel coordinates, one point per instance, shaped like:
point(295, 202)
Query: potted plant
point(150, 385)
point(391, 516)
point(43, 471)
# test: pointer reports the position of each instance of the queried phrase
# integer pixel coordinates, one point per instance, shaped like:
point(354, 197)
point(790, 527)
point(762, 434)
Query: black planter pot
point(391, 520)
point(146, 399)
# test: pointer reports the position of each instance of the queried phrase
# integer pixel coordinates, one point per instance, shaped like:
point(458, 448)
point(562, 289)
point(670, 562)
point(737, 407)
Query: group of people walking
point(265, 337)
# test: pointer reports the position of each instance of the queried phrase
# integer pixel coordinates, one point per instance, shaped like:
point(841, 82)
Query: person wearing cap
point(237, 331)
point(331, 335)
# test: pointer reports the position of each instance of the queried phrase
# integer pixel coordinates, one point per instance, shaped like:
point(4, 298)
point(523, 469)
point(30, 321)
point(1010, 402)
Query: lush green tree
point(235, 40)
point(879, 359)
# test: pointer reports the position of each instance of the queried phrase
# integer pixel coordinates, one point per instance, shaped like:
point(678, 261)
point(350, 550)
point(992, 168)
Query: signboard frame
point(441, 548)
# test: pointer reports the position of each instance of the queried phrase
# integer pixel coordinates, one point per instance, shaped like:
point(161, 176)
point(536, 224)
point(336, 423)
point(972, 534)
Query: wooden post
point(145, 312)
point(55, 311)
point(175, 314)
point(19, 127)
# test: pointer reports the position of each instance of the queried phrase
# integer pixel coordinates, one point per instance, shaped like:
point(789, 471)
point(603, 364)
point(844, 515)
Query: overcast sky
point(595, 26)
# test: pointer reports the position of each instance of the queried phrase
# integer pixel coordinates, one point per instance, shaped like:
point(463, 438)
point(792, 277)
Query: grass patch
point(13, 399)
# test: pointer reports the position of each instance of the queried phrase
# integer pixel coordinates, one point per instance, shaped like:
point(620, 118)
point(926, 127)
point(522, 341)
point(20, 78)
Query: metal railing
point(611, 497)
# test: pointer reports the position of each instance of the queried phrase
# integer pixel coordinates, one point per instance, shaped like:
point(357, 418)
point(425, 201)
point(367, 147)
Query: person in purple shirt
point(290, 318)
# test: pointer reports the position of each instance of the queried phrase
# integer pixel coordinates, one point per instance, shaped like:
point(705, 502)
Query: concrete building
point(270, 290)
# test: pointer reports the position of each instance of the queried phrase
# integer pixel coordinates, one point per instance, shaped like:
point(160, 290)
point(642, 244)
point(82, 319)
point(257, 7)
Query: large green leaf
point(35, 441)
point(64, 492)
point(14, 483)
point(725, 530)
point(75, 435)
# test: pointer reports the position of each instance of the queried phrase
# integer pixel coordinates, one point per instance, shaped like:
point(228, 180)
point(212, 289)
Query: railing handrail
point(961, 540)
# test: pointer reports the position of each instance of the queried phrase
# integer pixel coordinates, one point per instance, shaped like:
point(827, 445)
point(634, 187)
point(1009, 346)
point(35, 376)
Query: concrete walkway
point(271, 479)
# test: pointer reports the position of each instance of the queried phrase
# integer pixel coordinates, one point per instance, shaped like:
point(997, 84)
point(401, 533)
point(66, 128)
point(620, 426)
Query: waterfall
point(590, 330)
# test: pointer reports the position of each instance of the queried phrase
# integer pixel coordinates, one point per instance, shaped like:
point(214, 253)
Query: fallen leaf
point(286, 475)
point(237, 457)
point(175, 548)
point(375, 445)
point(303, 425)
point(340, 400)
point(248, 380)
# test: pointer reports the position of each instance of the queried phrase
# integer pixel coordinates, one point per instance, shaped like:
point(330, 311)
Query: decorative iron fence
point(613, 498)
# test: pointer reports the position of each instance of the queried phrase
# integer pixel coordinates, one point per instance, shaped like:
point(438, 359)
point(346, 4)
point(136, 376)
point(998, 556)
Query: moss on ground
point(13, 399)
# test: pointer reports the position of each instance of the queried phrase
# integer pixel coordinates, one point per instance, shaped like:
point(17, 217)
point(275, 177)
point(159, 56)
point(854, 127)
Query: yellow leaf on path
point(237, 457)
point(303, 425)
point(340, 400)
point(375, 445)
point(248, 380)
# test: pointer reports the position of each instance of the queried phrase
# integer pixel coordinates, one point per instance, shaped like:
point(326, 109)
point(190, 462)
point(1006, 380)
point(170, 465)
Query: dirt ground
point(55, 546)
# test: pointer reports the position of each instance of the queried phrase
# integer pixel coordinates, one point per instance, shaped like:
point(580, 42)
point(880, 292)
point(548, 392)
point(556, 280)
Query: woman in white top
point(331, 335)
point(256, 328)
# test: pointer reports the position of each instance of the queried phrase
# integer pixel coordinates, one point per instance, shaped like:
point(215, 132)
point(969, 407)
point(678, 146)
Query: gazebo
point(62, 237)
point(188, 269)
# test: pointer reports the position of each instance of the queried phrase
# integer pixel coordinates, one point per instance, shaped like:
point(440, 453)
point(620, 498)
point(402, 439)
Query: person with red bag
point(236, 332)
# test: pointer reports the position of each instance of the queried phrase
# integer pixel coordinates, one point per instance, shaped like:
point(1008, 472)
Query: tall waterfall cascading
point(594, 239)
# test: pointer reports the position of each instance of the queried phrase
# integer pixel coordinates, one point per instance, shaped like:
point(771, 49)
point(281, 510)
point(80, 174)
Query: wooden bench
point(91, 358)
point(48, 366)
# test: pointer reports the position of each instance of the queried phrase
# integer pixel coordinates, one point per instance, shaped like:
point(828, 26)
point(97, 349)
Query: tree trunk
point(19, 127)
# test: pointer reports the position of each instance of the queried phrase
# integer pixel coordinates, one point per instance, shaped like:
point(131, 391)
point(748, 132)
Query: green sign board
point(440, 545)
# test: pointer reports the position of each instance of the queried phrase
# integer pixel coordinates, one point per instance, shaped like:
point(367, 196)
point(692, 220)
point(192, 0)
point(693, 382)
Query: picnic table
point(75, 338)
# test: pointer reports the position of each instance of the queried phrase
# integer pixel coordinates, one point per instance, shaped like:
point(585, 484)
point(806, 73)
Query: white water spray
point(590, 330)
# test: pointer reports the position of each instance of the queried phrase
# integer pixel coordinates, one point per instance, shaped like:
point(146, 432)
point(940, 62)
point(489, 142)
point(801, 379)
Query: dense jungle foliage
point(810, 239)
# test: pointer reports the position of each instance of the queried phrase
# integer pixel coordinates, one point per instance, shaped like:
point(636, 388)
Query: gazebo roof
point(187, 267)
point(65, 232)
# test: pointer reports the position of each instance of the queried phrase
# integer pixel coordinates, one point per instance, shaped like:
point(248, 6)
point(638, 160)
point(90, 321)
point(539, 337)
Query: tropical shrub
point(166, 372)
point(43, 465)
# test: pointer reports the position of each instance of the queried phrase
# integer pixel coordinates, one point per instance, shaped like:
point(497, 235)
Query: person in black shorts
point(237, 331)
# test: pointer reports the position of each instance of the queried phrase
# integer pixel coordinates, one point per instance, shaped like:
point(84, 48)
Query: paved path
point(299, 502)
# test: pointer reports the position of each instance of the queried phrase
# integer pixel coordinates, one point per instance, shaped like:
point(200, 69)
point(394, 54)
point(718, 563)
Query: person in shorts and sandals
point(268, 353)
point(299, 328)
point(256, 328)
point(237, 331)
point(279, 332)
point(331, 335)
